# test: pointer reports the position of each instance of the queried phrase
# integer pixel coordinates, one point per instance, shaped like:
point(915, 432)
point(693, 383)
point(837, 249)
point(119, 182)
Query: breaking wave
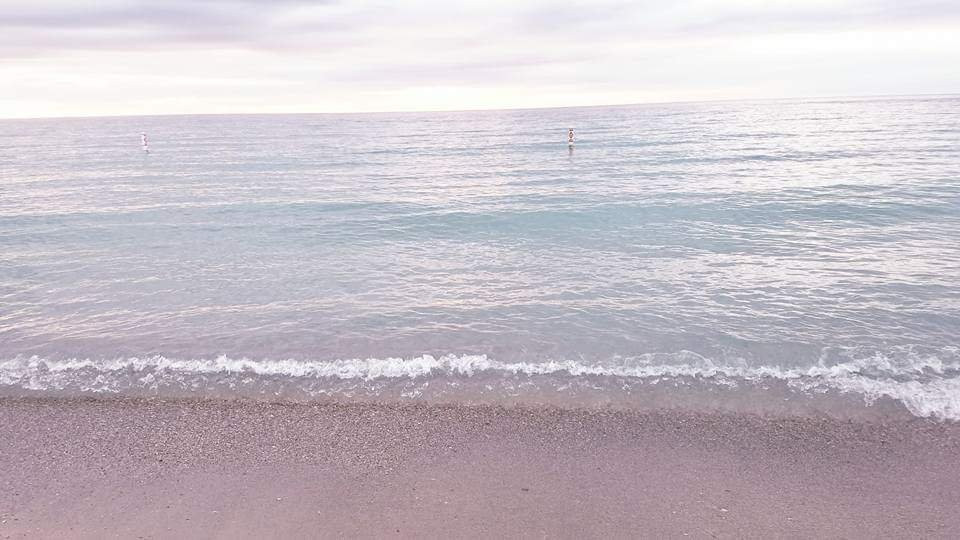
point(926, 386)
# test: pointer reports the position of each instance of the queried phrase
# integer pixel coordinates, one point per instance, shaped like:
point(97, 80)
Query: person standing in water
point(570, 137)
point(143, 141)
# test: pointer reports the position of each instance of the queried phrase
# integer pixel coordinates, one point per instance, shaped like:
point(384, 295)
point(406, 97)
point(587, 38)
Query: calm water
point(778, 256)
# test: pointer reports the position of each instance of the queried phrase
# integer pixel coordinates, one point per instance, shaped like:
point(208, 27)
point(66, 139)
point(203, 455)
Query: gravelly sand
point(176, 469)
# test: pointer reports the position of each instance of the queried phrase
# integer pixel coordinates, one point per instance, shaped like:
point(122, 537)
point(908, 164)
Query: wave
point(928, 386)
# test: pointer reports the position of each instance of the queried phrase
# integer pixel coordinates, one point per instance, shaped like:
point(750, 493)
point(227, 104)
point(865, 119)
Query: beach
point(342, 269)
point(706, 320)
point(94, 468)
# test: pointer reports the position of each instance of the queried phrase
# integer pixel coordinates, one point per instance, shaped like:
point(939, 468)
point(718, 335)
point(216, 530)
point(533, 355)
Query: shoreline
point(166, 468)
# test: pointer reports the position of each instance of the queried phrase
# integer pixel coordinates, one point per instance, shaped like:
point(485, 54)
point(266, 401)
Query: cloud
point(300, 55)
point(176, 23)
point(702, 18)
point(32, 27)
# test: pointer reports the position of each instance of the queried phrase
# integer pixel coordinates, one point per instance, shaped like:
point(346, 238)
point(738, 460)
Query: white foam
point(928, 386)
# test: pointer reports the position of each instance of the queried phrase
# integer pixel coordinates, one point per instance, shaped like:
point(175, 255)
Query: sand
point(184, 469)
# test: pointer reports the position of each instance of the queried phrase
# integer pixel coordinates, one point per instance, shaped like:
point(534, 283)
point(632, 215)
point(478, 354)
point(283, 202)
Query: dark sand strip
point(184, 469)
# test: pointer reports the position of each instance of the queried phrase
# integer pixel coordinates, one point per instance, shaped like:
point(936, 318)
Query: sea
point(778, 257)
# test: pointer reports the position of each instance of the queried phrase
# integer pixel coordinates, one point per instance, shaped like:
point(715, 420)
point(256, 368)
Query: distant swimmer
point(570, 137)
point(143, 141)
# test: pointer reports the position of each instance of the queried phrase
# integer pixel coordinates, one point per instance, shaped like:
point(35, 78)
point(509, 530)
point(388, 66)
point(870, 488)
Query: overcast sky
point(113, 57)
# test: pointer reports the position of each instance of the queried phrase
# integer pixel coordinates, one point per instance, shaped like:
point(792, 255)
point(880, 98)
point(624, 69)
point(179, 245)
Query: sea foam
point(927, 387)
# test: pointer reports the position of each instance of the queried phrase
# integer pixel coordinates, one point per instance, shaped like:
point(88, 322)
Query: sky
point(133, 57)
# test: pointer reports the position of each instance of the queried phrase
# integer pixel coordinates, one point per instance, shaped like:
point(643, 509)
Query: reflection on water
point(759, 234)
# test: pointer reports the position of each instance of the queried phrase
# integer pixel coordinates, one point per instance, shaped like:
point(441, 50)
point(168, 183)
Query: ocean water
point(777, 257)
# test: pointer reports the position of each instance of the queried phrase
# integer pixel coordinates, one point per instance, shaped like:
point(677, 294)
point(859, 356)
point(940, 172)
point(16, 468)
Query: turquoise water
point(721, 255)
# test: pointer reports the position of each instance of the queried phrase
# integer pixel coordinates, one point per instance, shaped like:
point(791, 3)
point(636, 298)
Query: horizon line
point(485, 109)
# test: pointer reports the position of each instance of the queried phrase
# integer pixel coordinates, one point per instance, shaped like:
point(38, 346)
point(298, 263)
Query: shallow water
point(720, 255)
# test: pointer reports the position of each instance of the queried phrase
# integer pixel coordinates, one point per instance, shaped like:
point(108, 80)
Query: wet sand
point(176, 469)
